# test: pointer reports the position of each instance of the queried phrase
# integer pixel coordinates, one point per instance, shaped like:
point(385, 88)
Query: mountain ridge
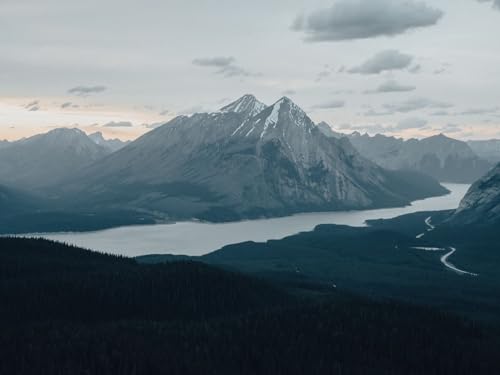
point(231, 165)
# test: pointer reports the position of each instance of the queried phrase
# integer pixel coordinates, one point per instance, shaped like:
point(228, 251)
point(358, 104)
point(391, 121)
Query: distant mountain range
point(487, 149)
point(45, 160)
point(444, 158)
point(111, 144)
point(247, 160)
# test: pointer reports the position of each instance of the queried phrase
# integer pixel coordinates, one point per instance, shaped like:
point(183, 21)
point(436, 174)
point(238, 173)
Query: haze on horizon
point(417, 69)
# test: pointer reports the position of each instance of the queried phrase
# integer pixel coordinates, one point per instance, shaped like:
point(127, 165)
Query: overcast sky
point(402, 67)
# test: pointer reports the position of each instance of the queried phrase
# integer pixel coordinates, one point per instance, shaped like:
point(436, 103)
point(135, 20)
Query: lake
point(199, 238)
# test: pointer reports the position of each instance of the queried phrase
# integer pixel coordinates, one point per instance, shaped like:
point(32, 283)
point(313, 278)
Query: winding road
point(444, 258)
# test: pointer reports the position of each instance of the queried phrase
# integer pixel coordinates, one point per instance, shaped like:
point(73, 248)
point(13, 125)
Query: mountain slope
point(111, 144)
point(443, 158)
point(47, 159)
point(13, 202)
point(231, 165)
point(481, 204)
point(327, 130)
point(109, 315)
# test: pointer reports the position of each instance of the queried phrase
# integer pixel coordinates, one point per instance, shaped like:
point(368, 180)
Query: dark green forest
point(66, 310)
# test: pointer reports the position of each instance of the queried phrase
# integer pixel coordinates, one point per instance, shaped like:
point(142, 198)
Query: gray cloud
point(86, 90)
point(332, 104)
point(416, 104)
point(383, 61)
point(361, 19)
point(415, 69)
point(34, 108)
point(218, 62)
point(289, 92)
point(32, 104)
point(480, 111)
point(323, 74)
point(391, 86)
point(225, 66)
point(450, 128)
point(66, 105)
point(411, 123)
point(496, 3)
point(120, 124)
point(372, 113)
point(441, 113)
point(164, 112)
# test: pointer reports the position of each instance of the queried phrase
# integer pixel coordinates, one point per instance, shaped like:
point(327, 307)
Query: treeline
point(69, 311)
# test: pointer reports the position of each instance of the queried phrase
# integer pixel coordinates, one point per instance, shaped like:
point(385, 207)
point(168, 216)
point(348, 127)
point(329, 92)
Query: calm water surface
point(195, 238)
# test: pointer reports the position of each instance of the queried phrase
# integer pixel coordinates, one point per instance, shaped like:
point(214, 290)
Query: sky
point(406, 68)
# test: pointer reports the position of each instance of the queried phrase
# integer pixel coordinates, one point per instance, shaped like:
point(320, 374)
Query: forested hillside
point(69, 311)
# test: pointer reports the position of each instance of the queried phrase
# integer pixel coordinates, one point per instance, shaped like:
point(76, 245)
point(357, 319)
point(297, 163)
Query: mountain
point(247, 105)
point(111, 144)
point(487, 149)
point(4, 143)
point(327, 130)
point(47, 159)
point(446, 159)
point(14, 201)
point(481, 204)
point(231, 165)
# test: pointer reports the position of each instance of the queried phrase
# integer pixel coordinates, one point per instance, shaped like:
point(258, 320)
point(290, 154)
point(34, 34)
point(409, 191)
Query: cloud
point(417, 68)
point(219, 62)
point(120, 124)
point(225, 66)
point(323, 74)
point(362, 19)
point(441, 113)
point(332, 104)
point(154, 125)
point(165, 112)
point(86, 90)
point(480, 111)
point(373, 113)
point(411, 123)
point(450, 128)
point(416, 104)
point(289, 92)
point(383, 61)
point(391, 86)
point(34, 108)
point(496, 3)
point(34, 103)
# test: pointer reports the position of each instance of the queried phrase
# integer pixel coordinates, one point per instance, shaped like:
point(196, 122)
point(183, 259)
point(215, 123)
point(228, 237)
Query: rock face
point(233, 164)
point(487, 149)
point(47, 159)
point(446, 159)
point(111, 145)
point(481, 204)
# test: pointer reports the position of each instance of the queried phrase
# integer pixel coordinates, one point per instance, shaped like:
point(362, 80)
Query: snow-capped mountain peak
point(248, 105)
